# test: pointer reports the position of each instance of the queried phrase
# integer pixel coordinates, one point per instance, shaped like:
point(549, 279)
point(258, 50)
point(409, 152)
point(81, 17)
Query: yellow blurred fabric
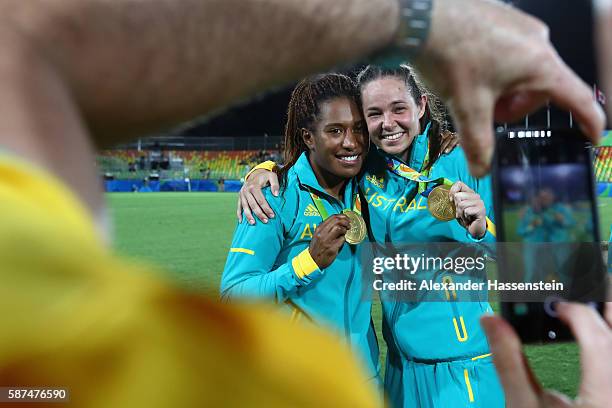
point(117, 335)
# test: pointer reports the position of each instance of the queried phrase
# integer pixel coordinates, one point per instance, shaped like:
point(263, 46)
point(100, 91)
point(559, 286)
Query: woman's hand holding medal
point(327, 239)
point(469, 209)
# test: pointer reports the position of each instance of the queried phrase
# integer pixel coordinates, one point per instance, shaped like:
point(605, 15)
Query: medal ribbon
point(402, 170)
point(405, 171)
point(323, 212)
point(321, 207)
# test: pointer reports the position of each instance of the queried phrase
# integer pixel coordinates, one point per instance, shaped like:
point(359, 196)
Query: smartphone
point(548, 241)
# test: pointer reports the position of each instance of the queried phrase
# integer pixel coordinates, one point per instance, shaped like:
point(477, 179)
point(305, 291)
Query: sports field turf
point(188, 234)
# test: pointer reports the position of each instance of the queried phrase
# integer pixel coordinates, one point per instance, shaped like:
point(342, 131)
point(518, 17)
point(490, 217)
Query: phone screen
point(548, 233)
point(547, 190)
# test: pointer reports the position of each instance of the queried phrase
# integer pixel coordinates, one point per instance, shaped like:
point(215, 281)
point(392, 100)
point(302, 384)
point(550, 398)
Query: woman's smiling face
point(338, 142)
point(392, 115)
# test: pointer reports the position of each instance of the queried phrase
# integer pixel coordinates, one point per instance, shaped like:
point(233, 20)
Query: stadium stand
point(168, 169)
point(602, 165)
point(177, 170)
point(603, 170)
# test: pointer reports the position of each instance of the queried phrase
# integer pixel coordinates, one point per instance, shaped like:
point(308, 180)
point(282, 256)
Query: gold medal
point(440, 204)
point(357, 232)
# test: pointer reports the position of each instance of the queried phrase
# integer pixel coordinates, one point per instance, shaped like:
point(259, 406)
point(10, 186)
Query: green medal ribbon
point(319, 204)
point(321, 207)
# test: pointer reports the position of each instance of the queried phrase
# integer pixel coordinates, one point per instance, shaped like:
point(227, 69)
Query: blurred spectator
point(165, 162)
point(246, 165)
point(155, 156)
point(221, 185)
point(145, 187)
point(276, 155)
point(142, 163)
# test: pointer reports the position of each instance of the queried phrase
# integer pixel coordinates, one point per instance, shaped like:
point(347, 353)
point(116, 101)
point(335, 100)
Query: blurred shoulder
point(264, 347)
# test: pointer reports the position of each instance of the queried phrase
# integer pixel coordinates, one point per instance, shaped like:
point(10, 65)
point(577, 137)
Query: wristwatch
point(415, 19)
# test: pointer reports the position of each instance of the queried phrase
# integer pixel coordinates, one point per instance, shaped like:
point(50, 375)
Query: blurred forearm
point(136, 65)
point(79, 73)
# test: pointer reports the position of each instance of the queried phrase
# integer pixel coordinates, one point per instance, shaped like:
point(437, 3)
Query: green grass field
point(188, 234)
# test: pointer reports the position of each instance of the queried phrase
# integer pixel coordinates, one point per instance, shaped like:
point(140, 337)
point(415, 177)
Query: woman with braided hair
point(313, 274)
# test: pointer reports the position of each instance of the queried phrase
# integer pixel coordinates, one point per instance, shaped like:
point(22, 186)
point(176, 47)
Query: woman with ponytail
point(438, 355)
point(299, 259)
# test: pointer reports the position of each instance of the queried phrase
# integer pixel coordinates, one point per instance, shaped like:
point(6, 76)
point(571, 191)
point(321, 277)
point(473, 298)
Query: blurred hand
point(603, 34)
point(251, 199)
point(449, 141)
point(470, 209)
point(328, 238)
point(492, 62)
point(522, 388)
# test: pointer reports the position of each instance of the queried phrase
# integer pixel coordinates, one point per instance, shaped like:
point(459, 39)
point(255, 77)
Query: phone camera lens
point(552, 335)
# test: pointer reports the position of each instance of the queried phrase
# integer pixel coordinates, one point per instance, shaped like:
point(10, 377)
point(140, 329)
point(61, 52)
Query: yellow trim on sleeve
point(491, 227)
point(481, 356)
point(243, 250)
point(267, 165)
point(303, 264)
point(468, 385)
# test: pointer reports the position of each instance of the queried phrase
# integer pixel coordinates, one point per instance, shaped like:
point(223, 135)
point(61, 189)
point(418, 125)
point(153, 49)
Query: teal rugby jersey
point(271, 261)
point(443, 330)
point(437, 353)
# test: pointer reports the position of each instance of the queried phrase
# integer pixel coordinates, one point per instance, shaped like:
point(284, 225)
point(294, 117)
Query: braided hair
point(435, 111)
point(304, 108)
